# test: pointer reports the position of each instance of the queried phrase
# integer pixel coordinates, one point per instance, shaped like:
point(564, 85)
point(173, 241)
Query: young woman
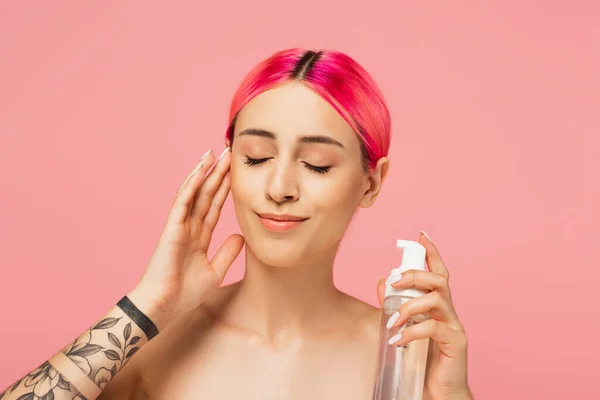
point(306, 147)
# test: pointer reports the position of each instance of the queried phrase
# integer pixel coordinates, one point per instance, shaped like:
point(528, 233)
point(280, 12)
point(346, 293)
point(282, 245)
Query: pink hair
point(338, 79)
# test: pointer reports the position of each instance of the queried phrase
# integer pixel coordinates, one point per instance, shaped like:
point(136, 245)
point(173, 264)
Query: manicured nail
point(394, 339)
point(427, 236)
point(393, 279)
point(224, 152)
point(393, 319)
point(205, 155)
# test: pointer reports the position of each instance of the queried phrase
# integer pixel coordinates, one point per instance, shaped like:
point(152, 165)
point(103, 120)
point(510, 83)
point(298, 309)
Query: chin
point(280, 253)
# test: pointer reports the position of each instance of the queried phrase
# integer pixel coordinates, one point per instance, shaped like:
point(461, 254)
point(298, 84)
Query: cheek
point(335, 204)
point(241, 197)
point(336, 197)
point(237, 184)
point(244, 185)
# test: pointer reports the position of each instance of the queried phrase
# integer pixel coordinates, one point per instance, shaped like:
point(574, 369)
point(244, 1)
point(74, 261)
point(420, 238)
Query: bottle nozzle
point(413, 256)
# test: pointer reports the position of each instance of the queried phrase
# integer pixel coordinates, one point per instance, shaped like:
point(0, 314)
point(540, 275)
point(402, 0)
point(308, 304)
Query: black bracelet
point(138, 317)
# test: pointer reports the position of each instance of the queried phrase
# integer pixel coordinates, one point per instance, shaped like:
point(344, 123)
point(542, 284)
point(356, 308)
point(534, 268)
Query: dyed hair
point(338, 79)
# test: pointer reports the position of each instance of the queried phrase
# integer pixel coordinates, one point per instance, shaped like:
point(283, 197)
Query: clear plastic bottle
point(401, 369)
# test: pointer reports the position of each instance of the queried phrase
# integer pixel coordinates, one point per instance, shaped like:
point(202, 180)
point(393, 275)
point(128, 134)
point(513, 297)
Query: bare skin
point(284, 331)
point(207, 355)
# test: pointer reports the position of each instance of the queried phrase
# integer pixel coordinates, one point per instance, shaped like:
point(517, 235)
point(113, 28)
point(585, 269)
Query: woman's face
point(296, 176)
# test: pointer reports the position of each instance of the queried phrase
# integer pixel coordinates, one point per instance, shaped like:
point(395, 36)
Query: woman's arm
point(82, 369)
point(179, 277)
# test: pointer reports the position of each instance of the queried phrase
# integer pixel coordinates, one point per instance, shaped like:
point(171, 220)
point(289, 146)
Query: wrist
point(153, 308)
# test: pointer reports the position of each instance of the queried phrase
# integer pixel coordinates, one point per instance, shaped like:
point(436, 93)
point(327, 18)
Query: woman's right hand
point(179, 276)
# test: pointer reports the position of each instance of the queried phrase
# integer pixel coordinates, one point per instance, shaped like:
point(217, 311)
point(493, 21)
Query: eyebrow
point(304, 139)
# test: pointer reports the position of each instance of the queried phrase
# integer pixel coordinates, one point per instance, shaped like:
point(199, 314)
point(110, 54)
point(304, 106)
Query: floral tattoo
point(99, 353)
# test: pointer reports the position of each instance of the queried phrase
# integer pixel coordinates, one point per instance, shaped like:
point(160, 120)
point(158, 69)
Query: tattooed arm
point(178, 278)
point(83, 368)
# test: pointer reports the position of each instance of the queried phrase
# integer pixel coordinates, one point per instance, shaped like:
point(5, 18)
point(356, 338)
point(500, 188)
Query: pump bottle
point(401, 369)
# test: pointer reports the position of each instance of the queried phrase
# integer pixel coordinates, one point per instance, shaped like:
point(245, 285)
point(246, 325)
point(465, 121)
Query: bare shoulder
point(187, 332)
point(133, 381)
point(183, 336)
point(365, 316)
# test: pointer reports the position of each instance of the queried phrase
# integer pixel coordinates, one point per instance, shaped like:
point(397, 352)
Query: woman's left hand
point(446, 375)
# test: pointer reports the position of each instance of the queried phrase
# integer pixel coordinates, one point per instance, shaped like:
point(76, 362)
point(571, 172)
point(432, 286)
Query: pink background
point(106, 106)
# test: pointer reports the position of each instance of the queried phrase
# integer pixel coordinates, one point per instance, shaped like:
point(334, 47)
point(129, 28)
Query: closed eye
point(255, 161)
point(320, 170)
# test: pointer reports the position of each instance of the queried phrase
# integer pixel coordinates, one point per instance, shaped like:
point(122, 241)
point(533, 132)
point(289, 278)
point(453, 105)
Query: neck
point(281, 302)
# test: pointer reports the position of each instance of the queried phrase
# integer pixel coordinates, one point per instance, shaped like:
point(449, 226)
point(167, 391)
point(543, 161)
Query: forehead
point(293, 109)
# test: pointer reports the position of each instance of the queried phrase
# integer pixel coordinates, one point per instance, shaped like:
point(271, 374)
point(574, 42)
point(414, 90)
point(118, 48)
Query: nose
point(282, 185)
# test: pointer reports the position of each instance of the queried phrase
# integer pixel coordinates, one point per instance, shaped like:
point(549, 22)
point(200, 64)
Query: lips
point(280, 222)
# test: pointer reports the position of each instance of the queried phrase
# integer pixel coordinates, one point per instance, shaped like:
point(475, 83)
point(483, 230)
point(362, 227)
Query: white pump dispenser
point(413, 257)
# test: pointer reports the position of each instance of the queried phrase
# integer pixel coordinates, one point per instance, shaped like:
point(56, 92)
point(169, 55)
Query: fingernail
point(394, 339)
point(393, 279)
point(427, 236)
point(224, 152)
point(393, 319)
point(205, 155)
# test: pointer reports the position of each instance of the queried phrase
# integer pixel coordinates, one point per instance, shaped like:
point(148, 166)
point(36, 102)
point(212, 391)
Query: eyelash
point(255, 161)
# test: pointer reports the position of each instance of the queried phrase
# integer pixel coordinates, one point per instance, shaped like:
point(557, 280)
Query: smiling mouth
point(280, 223)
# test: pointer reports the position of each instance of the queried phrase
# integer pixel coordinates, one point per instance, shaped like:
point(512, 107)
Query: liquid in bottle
point(401, 369)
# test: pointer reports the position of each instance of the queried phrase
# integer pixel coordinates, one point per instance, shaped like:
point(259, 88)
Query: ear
point(376, 177)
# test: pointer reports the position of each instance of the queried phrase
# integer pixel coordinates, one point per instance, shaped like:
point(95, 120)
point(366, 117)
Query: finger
point(212, 216)
point(214, 212)
point(193, 171)
point(185, 196)
point(381, 291)
point(432, 255)
point(423, 280)
point(204, 197)
point(226, 254)
point(433, 304)
point(451, 342)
